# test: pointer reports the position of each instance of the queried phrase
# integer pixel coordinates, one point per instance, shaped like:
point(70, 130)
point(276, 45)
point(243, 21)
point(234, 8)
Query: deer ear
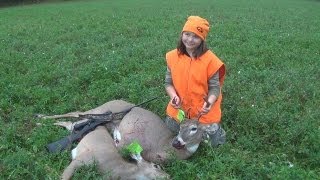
point(212, 128)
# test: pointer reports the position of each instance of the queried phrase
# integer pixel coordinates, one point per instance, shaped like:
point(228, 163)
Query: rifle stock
point(65, 142)
point(60, 145)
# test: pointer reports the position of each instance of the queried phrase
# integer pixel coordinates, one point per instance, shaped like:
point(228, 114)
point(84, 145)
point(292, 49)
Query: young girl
point(194, 79)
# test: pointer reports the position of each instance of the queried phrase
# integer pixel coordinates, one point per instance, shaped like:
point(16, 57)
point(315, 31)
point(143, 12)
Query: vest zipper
point(188, 84)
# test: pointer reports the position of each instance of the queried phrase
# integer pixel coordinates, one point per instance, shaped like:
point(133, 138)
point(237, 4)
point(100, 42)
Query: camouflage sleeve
point(214, 85)
point(168, 79)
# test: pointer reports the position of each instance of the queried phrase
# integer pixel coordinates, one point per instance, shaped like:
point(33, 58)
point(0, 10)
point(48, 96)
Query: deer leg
point(113, 106)
point(81, 160)
point(68, 115)
point(68, 124)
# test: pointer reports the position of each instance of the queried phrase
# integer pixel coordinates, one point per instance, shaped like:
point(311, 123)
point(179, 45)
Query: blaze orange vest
point(190, 80)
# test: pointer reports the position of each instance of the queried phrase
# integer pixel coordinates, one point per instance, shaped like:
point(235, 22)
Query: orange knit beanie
point(197, 25)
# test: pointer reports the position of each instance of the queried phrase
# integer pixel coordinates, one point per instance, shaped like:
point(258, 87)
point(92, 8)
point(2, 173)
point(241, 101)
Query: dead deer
point(97, 146)
point(158, 142)
point(149, 129)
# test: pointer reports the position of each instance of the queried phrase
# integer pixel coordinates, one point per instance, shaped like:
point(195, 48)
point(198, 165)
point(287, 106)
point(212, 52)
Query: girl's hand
point(206, 107)
point(175, 102)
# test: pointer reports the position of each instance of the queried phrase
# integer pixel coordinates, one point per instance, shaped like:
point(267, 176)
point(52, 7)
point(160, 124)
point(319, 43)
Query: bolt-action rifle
point(81, 129)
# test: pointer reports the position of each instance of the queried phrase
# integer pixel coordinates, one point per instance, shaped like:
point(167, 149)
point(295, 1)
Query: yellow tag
point(134, 147)
point(180, 115)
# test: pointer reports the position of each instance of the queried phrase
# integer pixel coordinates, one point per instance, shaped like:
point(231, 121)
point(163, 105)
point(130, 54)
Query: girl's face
point(191, 40)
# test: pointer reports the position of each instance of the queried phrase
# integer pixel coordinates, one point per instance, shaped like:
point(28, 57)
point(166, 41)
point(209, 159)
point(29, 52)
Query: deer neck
point(192, 148)
point(183, 153)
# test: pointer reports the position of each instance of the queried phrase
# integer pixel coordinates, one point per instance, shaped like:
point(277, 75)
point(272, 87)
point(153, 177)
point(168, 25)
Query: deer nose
point(177, 144)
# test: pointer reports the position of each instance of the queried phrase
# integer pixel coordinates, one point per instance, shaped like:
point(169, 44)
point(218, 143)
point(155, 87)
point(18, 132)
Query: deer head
point(190, 135)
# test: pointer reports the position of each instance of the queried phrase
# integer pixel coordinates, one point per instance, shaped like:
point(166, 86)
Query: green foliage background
point(76, 55)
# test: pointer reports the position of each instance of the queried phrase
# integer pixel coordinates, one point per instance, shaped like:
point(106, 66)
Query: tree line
point(4, 3)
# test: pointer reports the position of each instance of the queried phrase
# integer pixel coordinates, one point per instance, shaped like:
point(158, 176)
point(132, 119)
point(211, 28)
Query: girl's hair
point(202, 48)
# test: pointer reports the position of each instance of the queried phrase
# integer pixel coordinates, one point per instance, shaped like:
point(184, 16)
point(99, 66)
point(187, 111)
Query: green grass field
point(76, 55)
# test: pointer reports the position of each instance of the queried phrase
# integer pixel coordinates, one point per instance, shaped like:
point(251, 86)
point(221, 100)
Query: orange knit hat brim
point(197, 25)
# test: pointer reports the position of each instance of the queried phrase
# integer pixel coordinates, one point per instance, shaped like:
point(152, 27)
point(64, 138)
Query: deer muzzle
point(178, 143)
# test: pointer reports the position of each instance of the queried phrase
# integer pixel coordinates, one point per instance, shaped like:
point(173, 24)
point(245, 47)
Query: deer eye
point(193, 129)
